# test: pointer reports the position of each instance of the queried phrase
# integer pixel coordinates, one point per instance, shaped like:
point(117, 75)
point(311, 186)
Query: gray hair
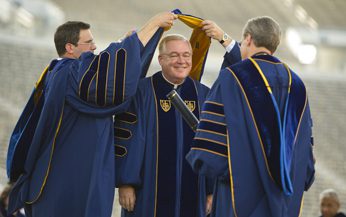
point(264, 31)
point(172, 37)
point(329, 193)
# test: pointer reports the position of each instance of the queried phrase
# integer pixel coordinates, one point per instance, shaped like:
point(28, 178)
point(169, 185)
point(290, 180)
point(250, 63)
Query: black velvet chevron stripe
point(215, 108)
point(119, 76)
point(102, 75)
point(120, 150)
point(122, 133)
point(87, 78)
point(126, 117)
point(212, 126)
point(210, 145)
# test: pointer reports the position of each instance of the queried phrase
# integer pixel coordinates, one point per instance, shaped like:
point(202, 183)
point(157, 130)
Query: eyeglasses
point(91, 43)
point(175, 56)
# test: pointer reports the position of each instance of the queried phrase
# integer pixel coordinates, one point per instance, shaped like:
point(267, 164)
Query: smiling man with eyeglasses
point(153, 177)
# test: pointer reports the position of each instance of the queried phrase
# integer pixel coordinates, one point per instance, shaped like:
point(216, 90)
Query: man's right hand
point(212, 30)
point(127, 197)
point(164, 20)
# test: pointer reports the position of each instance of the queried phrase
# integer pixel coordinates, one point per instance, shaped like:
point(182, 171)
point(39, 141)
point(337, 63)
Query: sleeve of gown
point(311, 163)
point(107, 80)
point(231, 57)
point(129, 144)
point(208, 155)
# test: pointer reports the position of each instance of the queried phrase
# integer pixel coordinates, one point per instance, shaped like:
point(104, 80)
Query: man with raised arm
point(63, 163)
point(255, 132)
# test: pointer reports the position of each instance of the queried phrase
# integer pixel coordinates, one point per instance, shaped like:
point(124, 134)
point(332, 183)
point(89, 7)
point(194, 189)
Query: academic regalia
point(68, 167)
point(256, 140)
point(151, 141)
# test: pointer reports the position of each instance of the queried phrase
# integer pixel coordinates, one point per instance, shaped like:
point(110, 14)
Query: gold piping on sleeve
point(121, 155)
point(80, 83)
point(89, 86)
point(210, 140)
point(115, 76)
point(97, 77)
point(106, 85)
point(119, 137)
point(213, 113)
point(210, 131)
point(215, 122)
point(206, 150)
point(212, 102)
point(124, 81)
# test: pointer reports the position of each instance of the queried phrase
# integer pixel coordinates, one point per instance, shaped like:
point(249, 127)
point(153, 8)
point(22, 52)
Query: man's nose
point(93, 47)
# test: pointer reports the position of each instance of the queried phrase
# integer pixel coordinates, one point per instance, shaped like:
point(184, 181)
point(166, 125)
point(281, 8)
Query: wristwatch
point(225, 37)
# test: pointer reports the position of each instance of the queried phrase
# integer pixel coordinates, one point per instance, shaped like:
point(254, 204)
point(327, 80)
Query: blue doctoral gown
point(151, 141)
point(69, 167)
point(256, 140)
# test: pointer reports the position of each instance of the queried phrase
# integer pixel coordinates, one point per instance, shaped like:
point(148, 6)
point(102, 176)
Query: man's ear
point(160, 59)
point(247, 40)
point(69, 48)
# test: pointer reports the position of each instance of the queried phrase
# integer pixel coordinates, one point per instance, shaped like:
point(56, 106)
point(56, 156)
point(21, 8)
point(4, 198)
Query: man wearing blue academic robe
point(152, 139)
point(255, 133)
point(66, 163)
point(153, 160)
point(126, 146)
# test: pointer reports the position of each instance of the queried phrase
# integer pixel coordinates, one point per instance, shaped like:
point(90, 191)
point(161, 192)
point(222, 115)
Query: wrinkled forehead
point(329, 200)
point(179, 46)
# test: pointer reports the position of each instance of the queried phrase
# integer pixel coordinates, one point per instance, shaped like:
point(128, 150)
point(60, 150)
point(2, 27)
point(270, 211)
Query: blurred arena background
point(313, 43)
